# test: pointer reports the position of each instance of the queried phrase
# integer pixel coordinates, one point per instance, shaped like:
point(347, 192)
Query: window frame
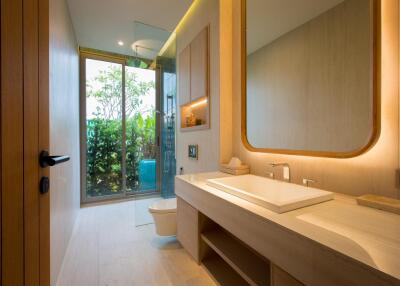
point(85, 54)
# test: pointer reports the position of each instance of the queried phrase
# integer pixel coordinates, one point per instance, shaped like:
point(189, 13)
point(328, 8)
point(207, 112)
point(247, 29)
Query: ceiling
point(267, 20)
point(101, 24)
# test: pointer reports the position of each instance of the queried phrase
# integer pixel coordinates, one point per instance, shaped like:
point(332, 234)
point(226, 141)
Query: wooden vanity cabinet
point(309, 259)
point(280, 277)
point(188, 225)
point(228, 260)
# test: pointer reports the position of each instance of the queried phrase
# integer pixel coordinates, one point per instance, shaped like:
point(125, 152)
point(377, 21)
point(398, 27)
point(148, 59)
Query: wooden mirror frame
point(376, 89)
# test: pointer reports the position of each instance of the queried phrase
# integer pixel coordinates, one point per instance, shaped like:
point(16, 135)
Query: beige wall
point(372, 172)
point(64, 131)
point(201, 14)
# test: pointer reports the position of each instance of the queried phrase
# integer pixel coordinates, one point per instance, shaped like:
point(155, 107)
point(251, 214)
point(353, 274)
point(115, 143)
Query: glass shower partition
point(166, 64)
point(166, 90)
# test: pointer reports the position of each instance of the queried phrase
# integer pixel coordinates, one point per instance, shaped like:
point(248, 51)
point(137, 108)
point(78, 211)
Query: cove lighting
point(204, 101)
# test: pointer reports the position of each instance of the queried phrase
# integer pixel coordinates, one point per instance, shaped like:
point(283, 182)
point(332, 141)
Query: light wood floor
point(109, 249)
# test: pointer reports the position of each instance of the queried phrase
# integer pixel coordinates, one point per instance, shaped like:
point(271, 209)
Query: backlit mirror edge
point(376, 124)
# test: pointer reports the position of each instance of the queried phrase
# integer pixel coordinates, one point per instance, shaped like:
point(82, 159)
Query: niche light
point(198, 103)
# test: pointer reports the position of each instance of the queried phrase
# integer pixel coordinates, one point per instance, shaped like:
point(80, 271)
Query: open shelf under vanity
point(227, 259)
point(221, 272)
point(246, 263)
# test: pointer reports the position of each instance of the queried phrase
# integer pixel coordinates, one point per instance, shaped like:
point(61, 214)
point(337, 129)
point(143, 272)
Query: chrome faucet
point(286, 170)
point(307, 182)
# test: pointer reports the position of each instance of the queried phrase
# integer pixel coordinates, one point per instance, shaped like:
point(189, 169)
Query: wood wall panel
point(226, 85)
point(199, 66)
point(184, 76)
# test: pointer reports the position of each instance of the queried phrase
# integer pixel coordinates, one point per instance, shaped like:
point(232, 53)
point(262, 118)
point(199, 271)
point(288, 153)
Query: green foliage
point(104, 132)
point(140, 143)
point(103, 157)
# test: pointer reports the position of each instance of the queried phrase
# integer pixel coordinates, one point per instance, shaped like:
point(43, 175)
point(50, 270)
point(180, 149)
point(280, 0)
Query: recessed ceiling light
point(121, 43)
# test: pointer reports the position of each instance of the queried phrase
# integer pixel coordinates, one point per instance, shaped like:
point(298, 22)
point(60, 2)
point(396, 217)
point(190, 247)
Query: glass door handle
point(45, 160)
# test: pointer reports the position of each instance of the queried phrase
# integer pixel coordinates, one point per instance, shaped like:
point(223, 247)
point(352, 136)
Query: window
point(118, 129)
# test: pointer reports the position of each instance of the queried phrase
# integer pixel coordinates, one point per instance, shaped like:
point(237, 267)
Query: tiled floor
point(109, 248)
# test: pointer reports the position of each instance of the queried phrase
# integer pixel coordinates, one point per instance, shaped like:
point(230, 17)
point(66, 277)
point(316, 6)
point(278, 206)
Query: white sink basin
point(274, 195)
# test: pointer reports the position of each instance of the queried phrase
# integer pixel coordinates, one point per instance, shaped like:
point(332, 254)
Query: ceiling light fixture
point(121, 43)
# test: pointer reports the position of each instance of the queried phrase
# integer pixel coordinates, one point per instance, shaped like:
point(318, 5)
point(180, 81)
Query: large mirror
point(311, 84)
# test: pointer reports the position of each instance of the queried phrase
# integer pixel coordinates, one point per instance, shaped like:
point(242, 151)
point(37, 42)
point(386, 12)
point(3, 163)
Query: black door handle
point(46, 160)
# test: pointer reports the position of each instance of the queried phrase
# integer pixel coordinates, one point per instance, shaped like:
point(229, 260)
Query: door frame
point(117, 59)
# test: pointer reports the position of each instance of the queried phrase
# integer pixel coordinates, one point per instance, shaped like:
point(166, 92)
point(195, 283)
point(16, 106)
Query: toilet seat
point(163, 206)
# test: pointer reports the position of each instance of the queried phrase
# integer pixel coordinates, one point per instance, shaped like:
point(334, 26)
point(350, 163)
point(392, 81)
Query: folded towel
point(241, 170)
point(241, 167)
point(234, 163)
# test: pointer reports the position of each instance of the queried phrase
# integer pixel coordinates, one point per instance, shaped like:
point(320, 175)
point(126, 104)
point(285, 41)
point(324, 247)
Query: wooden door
point(24, 132)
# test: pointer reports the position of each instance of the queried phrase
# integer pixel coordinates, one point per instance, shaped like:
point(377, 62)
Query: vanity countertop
point(367, 236)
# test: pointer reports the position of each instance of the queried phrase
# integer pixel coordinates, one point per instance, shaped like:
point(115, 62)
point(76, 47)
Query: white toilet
point(164, 214)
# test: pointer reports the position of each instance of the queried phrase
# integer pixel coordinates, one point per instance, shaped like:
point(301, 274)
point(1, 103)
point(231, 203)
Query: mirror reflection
point(310, 75)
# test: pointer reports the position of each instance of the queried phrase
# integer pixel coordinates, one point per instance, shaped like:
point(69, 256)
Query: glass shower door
point(168, 160)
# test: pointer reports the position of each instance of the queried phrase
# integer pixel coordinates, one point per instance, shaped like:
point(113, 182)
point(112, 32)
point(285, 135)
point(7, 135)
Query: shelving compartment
point(195, 115)
point(229, 261)
point(222, 272)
